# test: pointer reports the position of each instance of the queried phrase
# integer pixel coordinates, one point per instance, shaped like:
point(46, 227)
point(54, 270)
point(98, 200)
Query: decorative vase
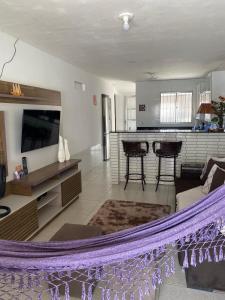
point(67, 153)
point(61, 151)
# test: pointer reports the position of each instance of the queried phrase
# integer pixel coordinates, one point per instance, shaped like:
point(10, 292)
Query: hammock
point(125, 265)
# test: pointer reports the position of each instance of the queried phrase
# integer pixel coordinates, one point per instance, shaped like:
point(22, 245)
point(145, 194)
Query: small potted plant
point(219, 107)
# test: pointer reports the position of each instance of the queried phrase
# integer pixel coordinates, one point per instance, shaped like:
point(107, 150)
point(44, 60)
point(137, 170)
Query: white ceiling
point(171, 38)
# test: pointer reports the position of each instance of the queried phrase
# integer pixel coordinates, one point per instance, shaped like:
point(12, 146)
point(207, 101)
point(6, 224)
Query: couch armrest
point(183, 184)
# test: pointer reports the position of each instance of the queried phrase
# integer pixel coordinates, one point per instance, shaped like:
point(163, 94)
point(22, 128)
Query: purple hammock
point(125, 265)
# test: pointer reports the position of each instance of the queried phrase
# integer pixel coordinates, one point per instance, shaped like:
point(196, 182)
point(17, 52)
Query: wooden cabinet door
point(20, 224)
point(71, 188)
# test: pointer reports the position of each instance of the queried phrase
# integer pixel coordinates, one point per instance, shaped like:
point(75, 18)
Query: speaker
point(24, 163)
point(2, 180)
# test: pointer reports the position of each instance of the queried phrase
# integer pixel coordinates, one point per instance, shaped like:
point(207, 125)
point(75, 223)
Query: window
point(131, 113)
point(205, 97)
point(176, 107)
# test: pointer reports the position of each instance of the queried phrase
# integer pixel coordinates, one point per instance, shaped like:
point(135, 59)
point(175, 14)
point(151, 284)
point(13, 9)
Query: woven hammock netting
point(124, 265)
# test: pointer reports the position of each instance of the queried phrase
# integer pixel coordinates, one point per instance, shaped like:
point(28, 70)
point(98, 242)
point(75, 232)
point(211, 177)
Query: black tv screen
point(40, 128)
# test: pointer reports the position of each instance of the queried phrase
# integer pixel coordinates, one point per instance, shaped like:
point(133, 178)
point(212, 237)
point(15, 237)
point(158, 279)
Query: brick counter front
point(195, 147)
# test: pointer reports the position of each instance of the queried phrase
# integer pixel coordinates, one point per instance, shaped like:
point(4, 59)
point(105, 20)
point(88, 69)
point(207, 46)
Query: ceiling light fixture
point(126, 17)
point(151, 75)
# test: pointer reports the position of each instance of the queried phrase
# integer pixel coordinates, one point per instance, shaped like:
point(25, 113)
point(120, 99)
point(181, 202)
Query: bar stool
point(135, 149)
point(166, 149)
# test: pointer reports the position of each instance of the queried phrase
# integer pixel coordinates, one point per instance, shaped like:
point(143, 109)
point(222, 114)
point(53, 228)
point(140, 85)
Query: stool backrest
point(168, 147)
point(132, 147)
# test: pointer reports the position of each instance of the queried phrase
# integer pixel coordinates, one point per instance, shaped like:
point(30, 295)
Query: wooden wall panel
point(3, 151)
point(32, 95)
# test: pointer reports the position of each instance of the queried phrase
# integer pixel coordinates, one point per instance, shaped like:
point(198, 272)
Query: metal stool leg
point(128, 171)
point(159, 172)
point(174, 168)
point(142, 173)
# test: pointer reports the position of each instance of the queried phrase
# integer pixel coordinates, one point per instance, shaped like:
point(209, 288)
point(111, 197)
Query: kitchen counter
point(164, 130)
point(195, 147)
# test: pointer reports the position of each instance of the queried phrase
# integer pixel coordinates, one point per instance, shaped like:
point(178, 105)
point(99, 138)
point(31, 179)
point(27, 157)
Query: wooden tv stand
point(28, 184)
point(38, 198)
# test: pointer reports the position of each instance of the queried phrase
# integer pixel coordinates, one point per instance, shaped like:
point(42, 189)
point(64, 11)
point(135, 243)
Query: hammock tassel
point(201, 256)
point(116, 297)
point(207, 255)
point(172, 265)
point(69, 273)
point(21, 282)
point(56, 293)
point(97, 274)
point(140, 292)
point(107, 294)
point(123, 296)
point(185, 262)
point(29, 281)
point(132, 296)
point(83, 296)
point(221, 253)
point(193, 258)
point(37, 280)
point(167, 270)
point(187, 239)
point(146, 260)
point(151, 257)
point(154, 280)
point(216, 258)
point(102, 294)
point(194, 237)
point(67, 291)
point(89, 274)
point(182, 241)
point(147, 288)
point(90, 290)
point(158, 275)
point(157, 252)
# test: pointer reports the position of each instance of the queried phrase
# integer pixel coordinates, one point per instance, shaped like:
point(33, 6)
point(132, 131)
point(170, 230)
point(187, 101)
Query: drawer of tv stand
point(71, 188)
point(20, 224)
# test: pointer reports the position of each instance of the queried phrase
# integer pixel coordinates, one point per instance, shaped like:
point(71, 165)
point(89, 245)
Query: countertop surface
point(166, 130)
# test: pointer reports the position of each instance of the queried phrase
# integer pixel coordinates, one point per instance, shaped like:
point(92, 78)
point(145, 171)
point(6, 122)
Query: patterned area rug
point(115, 215)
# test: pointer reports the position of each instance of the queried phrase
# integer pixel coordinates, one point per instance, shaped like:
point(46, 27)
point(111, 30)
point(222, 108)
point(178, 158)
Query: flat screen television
point(40, 128)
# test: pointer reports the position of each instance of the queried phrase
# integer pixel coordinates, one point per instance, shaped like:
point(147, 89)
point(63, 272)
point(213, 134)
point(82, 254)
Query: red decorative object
point(94, 100)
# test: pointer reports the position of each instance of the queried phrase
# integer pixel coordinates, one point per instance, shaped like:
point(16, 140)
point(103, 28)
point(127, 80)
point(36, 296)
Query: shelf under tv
point(45, 200)
point(27, 184)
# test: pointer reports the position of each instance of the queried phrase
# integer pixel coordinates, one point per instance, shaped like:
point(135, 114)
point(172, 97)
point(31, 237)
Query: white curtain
point(176, 107)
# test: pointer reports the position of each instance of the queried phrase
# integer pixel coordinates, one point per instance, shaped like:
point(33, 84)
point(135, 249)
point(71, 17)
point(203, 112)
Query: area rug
point(116, 215)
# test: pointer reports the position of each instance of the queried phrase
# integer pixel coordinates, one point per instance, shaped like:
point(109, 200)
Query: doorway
point(106, 126)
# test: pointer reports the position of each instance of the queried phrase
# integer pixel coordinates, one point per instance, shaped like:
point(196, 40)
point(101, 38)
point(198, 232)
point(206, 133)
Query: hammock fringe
point(127, 276)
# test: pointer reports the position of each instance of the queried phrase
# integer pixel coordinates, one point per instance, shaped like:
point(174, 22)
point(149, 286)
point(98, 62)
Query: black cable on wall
point(10, 60)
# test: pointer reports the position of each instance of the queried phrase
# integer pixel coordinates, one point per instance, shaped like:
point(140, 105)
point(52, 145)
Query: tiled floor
point(97, 189)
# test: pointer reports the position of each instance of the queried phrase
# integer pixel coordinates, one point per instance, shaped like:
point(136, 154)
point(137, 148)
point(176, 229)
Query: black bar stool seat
point(166, 149)
point(135, 149)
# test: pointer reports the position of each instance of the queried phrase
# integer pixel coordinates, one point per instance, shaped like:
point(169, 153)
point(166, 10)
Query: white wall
point(218, 84)
point(81, 120)
point(120, 112)
point(148, 92)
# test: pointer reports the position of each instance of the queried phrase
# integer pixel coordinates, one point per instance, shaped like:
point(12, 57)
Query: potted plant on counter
point(219, 107)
